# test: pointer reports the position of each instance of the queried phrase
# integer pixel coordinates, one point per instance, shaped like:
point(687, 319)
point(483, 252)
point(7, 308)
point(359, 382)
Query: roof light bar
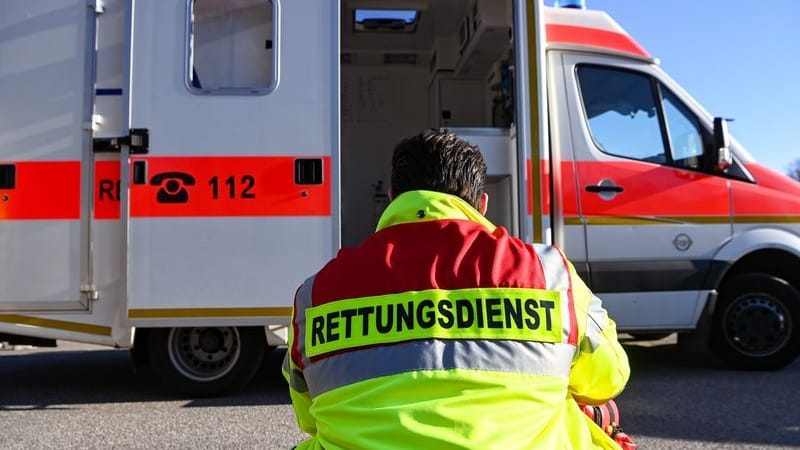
point(576, 4)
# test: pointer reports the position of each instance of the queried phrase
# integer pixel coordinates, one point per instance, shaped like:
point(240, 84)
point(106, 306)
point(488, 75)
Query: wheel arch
point(768, 251)
point(772, 251)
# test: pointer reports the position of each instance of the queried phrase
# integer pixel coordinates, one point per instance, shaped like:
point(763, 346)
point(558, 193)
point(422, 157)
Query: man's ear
point(483, 203)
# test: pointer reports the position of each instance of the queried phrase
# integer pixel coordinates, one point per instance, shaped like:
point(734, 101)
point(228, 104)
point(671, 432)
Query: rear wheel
point(206, 361)
point(757, 322)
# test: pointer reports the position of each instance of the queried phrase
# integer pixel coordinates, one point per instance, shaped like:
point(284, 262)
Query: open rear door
point(232, 199)
point(532, 130)
point(46, 91)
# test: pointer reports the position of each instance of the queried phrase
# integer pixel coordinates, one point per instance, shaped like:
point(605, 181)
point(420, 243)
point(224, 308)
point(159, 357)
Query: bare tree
point(794, 169)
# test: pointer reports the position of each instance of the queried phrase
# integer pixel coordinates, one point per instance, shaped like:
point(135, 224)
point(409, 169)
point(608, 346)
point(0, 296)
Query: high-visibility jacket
point(441, 331)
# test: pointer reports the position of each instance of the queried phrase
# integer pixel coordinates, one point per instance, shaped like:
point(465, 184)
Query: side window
point(630, 115)
point(686, 136)
point(621, 109)
point(231, 47)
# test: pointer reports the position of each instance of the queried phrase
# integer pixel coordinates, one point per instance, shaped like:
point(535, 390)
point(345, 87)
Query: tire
point(756, 323)
point(206, 361)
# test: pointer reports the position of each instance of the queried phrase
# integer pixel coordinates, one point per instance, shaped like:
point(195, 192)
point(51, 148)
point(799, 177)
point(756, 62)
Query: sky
point(740, 59)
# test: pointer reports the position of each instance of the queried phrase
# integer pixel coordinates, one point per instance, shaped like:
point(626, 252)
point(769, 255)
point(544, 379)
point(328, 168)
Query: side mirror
point(721, 158)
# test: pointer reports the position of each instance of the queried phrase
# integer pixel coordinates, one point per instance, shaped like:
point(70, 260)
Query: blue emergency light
point(577, 4)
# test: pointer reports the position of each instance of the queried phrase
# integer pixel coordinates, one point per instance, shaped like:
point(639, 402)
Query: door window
point(685, 133)
point(622, 114)
point(632, 115)
point(231, 47)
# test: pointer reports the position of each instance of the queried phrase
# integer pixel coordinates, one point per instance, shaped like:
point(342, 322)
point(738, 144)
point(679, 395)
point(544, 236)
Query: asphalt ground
point(84, 397)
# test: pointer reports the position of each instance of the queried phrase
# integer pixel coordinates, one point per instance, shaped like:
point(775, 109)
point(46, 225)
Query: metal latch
point(138, 141)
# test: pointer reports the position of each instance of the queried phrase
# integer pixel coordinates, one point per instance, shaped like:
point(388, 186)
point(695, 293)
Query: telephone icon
point(173, 186)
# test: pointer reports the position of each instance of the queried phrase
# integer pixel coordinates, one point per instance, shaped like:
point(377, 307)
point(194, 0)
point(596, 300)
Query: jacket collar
point(422, 206)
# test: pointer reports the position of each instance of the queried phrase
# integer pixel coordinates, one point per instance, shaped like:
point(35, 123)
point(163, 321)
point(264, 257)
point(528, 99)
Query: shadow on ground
point(671, 394)
point(56, 379)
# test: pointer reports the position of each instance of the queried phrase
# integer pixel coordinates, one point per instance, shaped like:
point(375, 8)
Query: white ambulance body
point(170, 171)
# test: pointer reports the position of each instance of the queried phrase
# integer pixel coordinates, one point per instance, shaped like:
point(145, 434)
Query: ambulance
point(172, 170)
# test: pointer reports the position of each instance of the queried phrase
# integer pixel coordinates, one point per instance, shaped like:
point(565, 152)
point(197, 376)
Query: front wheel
point(206, 361)
point(757, 322)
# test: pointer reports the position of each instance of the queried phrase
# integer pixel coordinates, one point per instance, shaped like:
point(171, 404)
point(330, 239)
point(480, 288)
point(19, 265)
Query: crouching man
point(442, 331)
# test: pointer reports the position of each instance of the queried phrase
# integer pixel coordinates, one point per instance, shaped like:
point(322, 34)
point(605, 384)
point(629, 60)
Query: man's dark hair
point(439, 161)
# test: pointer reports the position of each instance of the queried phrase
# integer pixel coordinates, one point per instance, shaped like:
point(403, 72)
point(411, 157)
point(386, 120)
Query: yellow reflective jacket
point(441, 331)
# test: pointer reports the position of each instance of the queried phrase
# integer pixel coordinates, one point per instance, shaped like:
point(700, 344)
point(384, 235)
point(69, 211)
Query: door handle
point(308, 171)
point(8, 176)
point(606, 189)
point(139, 172)
point(594, 188)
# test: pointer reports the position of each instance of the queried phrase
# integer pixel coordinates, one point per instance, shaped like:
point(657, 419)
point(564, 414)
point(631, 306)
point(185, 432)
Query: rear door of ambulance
point(46, 53)
point(231, 182)
point(653, 215)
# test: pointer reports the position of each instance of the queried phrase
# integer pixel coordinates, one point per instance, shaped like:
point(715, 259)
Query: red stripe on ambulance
point(43, 190)
point(106, 190)
point(215, 187)
point(594, 37)
point(229, 186)
point(174, 187)
point(774, 194)
point(658, 191)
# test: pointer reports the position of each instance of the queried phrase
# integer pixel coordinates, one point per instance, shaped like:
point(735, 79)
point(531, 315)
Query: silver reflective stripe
point(536, 358)
point(302, 301)
point(556, 275)
point(296, 379)
point(598, 318)
point(555, 272)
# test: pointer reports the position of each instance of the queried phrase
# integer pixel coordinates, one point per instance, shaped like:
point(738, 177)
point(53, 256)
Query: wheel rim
point(204, 353)
point(757, 324)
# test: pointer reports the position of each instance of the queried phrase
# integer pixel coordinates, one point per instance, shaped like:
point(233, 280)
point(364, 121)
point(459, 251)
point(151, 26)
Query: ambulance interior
point(408, 65)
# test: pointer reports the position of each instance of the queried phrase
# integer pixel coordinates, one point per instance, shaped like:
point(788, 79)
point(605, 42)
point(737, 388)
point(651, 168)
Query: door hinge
point(98, 6)
point(91, 293)
point(97, 120)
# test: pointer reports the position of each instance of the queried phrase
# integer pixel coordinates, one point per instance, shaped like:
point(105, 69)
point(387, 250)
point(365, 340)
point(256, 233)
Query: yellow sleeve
point(600, 369)
point(298, 390)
